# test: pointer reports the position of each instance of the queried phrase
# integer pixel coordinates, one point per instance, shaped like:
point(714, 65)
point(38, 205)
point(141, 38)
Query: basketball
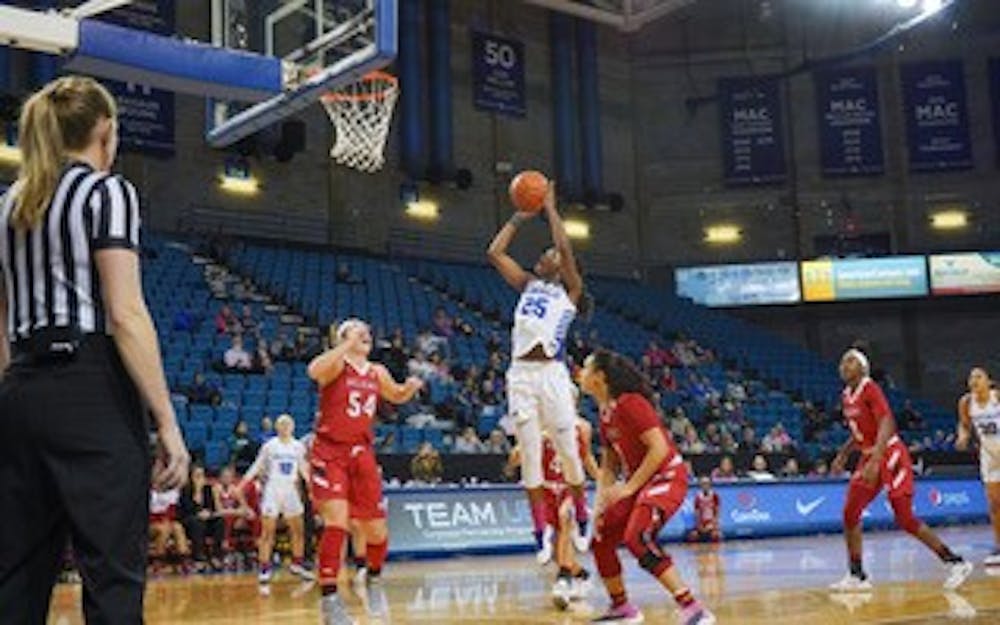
point(527, 190)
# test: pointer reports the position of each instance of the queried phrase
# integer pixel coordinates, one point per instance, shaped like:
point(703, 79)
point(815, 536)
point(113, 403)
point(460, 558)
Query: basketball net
point(361, 112)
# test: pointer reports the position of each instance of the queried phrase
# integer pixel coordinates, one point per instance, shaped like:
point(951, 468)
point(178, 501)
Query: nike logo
point(805, 509)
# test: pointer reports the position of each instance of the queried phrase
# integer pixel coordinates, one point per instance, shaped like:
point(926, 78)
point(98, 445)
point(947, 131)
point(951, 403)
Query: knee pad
point(647, 551)
point(905, 519)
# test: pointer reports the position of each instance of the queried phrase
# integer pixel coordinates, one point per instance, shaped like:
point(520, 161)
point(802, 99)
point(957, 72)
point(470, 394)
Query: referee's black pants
point(74, 463)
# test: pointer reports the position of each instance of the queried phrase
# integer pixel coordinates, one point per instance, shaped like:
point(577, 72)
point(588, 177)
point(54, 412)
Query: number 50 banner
point(498, 74)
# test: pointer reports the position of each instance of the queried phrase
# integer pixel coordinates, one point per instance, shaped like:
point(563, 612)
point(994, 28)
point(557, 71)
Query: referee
point(80, 367)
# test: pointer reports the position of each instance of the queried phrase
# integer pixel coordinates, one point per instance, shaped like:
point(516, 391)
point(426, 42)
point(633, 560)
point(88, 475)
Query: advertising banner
point(496, 519)
point(740, 285)
point(965, 274)
point(837, 279)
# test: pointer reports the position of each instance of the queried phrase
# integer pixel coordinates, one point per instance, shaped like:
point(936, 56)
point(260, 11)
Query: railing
point(312, 228)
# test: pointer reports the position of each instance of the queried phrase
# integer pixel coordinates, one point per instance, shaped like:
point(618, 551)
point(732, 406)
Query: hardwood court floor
point(747, 582)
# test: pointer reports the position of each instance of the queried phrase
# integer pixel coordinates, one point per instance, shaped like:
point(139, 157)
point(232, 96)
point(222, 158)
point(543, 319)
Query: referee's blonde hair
point(58, 118)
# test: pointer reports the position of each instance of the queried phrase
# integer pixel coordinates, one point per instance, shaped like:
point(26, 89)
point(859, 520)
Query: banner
point(740, 285)
point(937, 118)
point(834, 280)
point(965, 274)
point(753, 143)
point(145, 114)
point(850, 132)
point(498, 74)
point(489, 519)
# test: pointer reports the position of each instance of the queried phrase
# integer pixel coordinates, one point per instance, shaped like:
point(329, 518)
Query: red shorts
point(350, 472)
point(665, 493)
point(896, 473)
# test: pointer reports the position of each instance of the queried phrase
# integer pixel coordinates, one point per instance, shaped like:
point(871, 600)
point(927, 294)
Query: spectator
point(184, 320)
point(494, 344)
point(243, 290)
point(749, 442)
point(236, 357)
point(725, 472)
point(777, 440)
point(396, 355)
point(463, 326)
point(728, 444)
point(791, 469)
point(262, 359)
point(282, 348)
point(242, 450)
point(226, 321)
point(668, 382)
point(443, 325)
point(910, 418)
point(164, 526)
point(735, 391)
point(759, 470)
point(439, 368)
point(497, 443)
point(820, 470)
point(421, 367)
point(713, 437)
point(469, 443)
point(344, 274)
point(266, 430)
point(197, 515)
point(428, 344)
point(200, 391)
point(426, 467)
point(248, 322)
point(691, 443)
point(655, 355)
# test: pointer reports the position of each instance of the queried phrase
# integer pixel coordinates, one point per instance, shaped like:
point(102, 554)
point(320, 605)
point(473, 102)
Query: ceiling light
point(423, 210)
point(577, 229)
point(723, 234)
point(949, 220)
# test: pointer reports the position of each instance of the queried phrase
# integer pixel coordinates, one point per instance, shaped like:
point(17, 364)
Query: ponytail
point(58, 118)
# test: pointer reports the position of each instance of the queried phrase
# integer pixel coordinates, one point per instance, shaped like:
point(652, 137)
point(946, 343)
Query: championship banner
point(965, 274)
point(836, 279)
point(753, 140)
point(498, 74)
point(850, 131)
point(490, 519)
point(145, 114)
point(937, 118)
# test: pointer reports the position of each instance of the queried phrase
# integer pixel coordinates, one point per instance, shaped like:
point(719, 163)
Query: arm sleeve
point(115, 207)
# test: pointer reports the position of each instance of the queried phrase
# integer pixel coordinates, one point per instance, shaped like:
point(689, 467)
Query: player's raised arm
point(328, 366)
point(964, 423)
point(395, 392)
point(568, 270)
point(512, 272)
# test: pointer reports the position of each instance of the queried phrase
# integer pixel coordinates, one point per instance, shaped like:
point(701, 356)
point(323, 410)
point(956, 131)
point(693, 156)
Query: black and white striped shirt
point(49, 272)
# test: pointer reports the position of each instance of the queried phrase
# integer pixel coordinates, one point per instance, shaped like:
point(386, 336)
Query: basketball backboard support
point(321, 44)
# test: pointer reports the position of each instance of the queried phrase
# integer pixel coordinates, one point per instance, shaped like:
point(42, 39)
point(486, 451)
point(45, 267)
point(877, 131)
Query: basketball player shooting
point(539, 388)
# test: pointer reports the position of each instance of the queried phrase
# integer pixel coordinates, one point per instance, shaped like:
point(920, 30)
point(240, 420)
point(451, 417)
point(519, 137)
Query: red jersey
point(551, 465)
point(864, 408)
point(706, 508)
point(348, 406)
point(228, 497)
point(622, 425)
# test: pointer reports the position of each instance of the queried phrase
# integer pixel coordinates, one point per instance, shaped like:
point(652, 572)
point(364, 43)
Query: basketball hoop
point(361, 112)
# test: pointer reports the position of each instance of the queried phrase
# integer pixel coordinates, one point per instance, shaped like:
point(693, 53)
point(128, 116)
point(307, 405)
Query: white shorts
point(989, 462)
point(281, 500)
point(540, 396)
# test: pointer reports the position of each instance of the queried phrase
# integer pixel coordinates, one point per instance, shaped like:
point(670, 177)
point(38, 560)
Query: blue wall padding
point(172, 64)
point(413, 129)
point(564, 124)
point(592, 164)
point(439, 51)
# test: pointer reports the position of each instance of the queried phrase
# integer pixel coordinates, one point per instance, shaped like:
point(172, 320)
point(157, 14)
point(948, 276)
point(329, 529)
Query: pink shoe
point(625, 613)
point(697, 614)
